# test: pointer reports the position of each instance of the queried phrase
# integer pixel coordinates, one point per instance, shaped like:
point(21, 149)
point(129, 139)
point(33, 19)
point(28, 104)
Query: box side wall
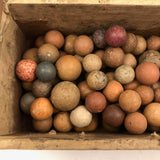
point(77, 141)
point(35, 19)
point(11, 47)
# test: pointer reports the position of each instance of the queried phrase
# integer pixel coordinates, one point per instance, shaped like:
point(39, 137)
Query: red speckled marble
point(25, 70)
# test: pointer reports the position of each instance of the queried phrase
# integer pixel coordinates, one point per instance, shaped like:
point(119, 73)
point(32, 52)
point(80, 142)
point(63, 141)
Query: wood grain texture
point(11, 44)
point(37, 18)
point(126, 2)
point(75, 141)
point(0, 10)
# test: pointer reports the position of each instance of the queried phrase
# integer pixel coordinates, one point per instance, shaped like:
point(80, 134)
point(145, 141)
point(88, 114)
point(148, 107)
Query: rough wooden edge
point(113, 2)
point(0, 10)
point(78, 142)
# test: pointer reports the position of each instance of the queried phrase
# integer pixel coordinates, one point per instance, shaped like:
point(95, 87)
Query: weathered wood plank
point(0, 10)
point(11, 47)
point(76, 141)
point(84, 18)
point(126, 2)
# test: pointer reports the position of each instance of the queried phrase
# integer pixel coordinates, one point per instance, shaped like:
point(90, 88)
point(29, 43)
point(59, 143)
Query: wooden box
point(25, 19)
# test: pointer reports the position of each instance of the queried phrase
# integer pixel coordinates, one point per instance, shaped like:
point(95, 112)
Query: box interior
point(23, 22)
